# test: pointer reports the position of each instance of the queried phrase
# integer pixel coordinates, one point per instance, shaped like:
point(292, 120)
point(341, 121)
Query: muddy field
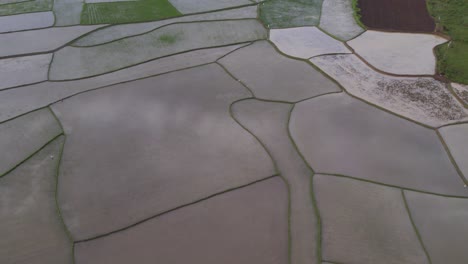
point(396, 15)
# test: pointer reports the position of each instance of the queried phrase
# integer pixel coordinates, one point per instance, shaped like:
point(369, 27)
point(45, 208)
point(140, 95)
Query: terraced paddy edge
point(398, 53)
point(24, 70)
point(15, 102)
point(349, 235)
point(4, 2)
point(461, 91)
point(441, 221)
point(305, 42)
point(337, 19)
point(177, 145)
point(26, 21)
point(424, 100)
point(113, 33)
point(31, 229)
point(45, 40)
point(456, 138)
point(352, 135)
point(290, 13)
point(26, 7)
point(77, 62)
point(127, 12)
point(261, 68)
point(25, 135)
point(451, 19)
point(396, 15)
point(268, 121)
point(246, 225)
point(190, 6)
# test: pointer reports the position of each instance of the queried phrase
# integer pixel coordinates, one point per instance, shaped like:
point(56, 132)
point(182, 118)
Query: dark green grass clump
point(168, 39)
point(290, 13)
point(127, 12)
point(451, 17)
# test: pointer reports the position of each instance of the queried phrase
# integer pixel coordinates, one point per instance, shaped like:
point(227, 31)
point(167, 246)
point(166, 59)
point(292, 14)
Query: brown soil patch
point(396, 15)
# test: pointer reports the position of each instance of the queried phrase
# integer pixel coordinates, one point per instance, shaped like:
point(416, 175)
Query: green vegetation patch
point(452, 61)
point(127, 12)
point(168, 39)
point(451, 17)
point(25, 7)
point(290, 13)
point(357, 13)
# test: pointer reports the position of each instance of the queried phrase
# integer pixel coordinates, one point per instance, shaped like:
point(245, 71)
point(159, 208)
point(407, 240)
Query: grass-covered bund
point(451, 17)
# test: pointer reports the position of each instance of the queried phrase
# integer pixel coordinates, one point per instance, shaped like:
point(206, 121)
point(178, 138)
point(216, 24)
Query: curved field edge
point(451, 19)
point(357, 13)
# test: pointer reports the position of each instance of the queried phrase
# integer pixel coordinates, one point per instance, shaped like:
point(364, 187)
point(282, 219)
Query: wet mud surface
point(396, 15)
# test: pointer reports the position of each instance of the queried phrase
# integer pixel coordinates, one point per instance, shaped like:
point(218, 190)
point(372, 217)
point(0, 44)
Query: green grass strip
point(127, 12)
point(452, 19)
